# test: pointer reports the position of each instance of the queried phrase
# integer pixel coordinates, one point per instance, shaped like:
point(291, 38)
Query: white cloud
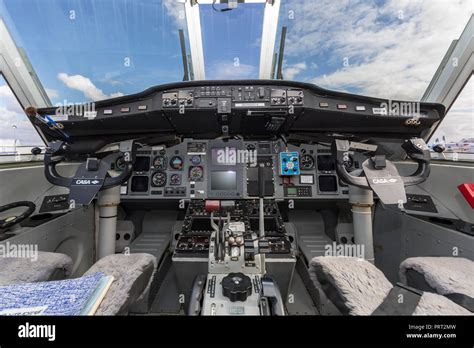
point(292, 70)
point(116, 95)
point(11, 114)
point(459, 121)
point(393, 50)
point(109, 78)
point(52, 93)
point(85, 85)
point(175, 8)
point(5, 91)
point(8, 100)
point(223, 70)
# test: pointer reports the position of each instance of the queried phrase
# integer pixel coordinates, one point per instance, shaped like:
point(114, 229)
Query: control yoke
point(92, 175)
point(380, 174)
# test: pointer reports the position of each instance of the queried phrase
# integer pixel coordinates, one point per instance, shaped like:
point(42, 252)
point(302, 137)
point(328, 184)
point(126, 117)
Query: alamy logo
point(73, 109)
point(232, 156)
point(346, 250)
point(37, 331)
point(394, 108)
point(26, 251)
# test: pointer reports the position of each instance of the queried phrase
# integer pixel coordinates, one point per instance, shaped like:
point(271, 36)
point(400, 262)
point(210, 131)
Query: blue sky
point(231, 41)
point(84, 50)
point(121, 46)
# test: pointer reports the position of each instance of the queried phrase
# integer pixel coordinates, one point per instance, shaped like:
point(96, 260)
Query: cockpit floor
point(312, 238)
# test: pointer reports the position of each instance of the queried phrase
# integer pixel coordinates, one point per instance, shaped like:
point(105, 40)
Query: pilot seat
point(48, 266)
point(452, 277)
point(356, 287)
point(132, 276)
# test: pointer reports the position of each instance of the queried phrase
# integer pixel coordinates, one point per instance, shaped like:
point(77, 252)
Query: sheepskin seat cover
point(132, 273)
point(443, 275)
point(48, 266)
point(357, 287)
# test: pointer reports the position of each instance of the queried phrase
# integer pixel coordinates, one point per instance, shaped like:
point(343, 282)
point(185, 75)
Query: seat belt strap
point(401, 300)
point(463, 300)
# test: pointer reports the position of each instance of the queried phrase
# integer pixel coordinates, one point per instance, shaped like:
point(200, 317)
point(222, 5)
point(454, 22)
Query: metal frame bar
point(453, 73)
point(20, 75)
point(183, 54)
point(274, 63)
point(455, 69)
point(18, 72)
point(270, 25)
point(281, 54)
point(269, 32)
point(193, 21)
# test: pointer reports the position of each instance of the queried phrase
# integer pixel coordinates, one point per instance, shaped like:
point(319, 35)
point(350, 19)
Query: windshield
point(231, 41)
point(387, 49)
point(85, 50)
point(91, 50)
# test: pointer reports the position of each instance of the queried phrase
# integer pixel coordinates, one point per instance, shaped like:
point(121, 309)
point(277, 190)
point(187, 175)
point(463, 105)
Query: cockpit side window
point(454, 138)
point(17, 134)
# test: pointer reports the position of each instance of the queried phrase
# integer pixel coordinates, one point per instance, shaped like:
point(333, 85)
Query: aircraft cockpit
point(214, 182)
point(235, 196)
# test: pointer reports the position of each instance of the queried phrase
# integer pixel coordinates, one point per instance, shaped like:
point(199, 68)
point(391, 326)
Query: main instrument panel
point(229, 169)
point(250, 114)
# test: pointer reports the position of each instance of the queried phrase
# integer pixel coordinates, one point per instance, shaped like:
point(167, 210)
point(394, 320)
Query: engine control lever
point(219, 234)
point(271, 301)
point(261, 186)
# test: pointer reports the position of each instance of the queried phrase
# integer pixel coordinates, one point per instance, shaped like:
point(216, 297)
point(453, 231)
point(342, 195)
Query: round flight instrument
point(307, 162)
point(196, 173)
point(159, 162)
point(158, 179)
point(176, 163)
point(120, 164)
point(196, 159)
point(175, 179)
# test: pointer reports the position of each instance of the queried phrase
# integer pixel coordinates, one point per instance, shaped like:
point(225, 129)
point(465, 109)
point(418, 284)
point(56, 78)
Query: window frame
point(452, 155)
point(20, 75)
point(19, 156)
point(450, 79)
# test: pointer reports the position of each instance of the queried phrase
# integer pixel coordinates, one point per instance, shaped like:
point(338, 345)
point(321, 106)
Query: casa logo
point(86, 182)
point(384, 181)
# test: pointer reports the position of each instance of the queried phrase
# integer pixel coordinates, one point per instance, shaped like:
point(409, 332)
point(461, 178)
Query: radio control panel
point(224, 98)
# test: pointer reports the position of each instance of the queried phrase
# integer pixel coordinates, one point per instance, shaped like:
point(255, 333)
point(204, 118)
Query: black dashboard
point(260, 109)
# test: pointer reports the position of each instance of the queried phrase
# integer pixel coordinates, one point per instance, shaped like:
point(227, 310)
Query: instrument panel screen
point(327, 183)
point(223, 180)
point(326, 163)
point(139, 184)
point(142, 164)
